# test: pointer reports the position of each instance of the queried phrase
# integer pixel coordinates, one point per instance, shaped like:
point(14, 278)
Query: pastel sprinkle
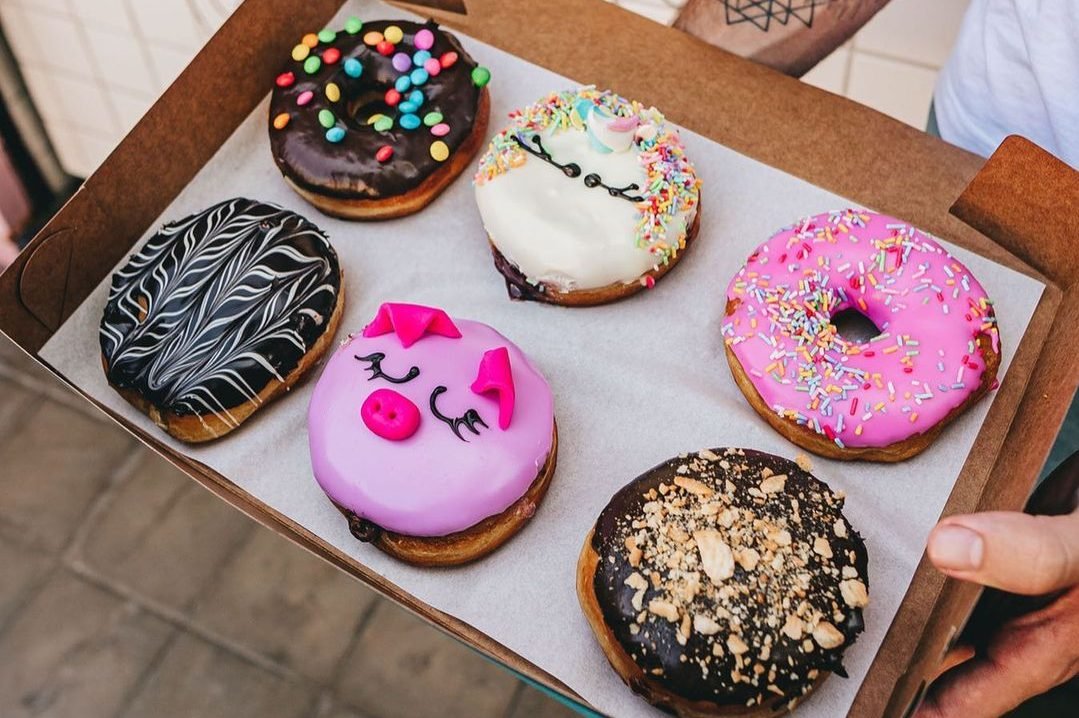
point(420, 57)
point(424, 39)
point(384, 48)
point(300, 52)
point(394, 34)
point(305, 97)
point(439, 151)
point(432, 118)
point(447, 60)
point(384, 153)
point(311, 65)
point(432, 66)
point(310, 39)
point(408, 106)
point(440, 130)
point(401, 62)
point(327, 36)
point(326, 119)
point(281, 121)
point(480, 76)
point(409, 121)
point(353, 25)
point(333, 92)
point(353, 67)
point(331, 56)
point(383, 123)
point(402, 83)
point(285, 79)
point(372, 38)
point(416, 97)
point(419, 76)
point(335, 134)
point(392, 97)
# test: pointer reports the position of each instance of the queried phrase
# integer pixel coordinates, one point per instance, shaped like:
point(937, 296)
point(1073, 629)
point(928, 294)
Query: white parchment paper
point(635, 383)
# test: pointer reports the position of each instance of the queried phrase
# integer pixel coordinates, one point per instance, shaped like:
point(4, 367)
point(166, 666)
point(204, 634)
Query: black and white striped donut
point(217, 313)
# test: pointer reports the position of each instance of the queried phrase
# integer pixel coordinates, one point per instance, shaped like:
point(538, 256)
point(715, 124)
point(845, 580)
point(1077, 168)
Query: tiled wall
point(93, 67)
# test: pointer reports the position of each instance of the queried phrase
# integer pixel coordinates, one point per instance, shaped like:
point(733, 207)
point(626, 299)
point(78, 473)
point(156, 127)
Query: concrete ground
point(126, 589)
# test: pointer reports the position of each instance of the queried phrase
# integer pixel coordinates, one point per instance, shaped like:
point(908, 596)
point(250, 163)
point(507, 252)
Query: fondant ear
point(495, 376)
point(410, 322)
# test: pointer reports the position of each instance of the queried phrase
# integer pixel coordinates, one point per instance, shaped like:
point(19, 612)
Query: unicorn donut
point(587, 197)
point(435, 437)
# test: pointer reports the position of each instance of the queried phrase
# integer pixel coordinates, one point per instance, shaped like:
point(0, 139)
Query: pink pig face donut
point(425, 425)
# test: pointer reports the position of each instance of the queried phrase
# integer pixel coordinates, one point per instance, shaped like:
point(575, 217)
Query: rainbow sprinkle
point(792, 286)
point(673, 188)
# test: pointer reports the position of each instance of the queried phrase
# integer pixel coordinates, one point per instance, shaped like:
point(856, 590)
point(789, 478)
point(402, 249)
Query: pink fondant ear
point(410, 322)
point(495, 376)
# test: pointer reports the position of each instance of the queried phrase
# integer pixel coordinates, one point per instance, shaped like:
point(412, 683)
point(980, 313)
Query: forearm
point(792, 36)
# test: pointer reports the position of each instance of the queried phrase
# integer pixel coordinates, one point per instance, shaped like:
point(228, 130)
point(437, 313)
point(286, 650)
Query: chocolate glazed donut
point(374, 121)
point(726, 582)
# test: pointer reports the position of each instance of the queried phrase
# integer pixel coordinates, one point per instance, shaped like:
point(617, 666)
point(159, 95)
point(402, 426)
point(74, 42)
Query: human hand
point(1030, 654)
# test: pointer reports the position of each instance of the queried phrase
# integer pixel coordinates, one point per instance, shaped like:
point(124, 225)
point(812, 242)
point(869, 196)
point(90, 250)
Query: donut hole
point(369, 102)
point(854, 326)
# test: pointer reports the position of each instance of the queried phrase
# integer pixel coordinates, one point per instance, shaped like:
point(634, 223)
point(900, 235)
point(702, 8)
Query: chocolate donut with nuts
point(726, 582)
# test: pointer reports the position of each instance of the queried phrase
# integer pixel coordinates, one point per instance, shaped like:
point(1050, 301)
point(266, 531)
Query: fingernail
point(956, 548)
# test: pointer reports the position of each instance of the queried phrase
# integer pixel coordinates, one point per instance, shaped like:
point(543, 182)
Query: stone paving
point(129, 590)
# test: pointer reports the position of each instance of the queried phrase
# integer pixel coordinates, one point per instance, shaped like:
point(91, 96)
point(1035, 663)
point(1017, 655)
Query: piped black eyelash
point(574, 170)
point(375, 367)
point(470, 419)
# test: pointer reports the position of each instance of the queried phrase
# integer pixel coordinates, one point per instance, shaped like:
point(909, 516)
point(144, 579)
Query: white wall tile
point(831, 72)
point(60, 43)
point(662, 11)
point(42, 92)
point(95, 149)
point(68, 145)
point(169, 62)
point(121, 60)
point(921, 31)
point(103, 13)
point(170, 22)
point(130, 108)
point(83, 104)
point(19, 32)
point(892, 87)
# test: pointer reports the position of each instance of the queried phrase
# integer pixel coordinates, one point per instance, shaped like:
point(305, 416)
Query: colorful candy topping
point(439, 151)
point(673, 187)
point(930, 312)
point(406, 96)
point(481, 76)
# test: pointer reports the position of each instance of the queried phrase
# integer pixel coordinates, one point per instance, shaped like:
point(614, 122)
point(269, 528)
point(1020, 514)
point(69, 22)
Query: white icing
point(558, 231)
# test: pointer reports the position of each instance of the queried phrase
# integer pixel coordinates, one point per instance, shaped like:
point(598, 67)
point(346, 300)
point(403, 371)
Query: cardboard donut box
point(1014, 209)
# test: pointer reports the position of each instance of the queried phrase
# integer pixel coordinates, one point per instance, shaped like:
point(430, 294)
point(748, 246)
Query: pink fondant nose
point(390, 415)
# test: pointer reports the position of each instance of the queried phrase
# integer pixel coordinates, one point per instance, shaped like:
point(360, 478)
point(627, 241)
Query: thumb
point(1014, 552)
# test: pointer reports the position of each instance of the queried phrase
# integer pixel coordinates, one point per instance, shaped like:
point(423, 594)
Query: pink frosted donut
point(885, 399)
point(434, 436)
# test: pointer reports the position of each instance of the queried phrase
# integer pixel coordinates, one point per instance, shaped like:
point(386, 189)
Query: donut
point(375, 120)
point(587, 197)
point(726, 582)
point(218, 314)
point(434, 436)
point(884, 397)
